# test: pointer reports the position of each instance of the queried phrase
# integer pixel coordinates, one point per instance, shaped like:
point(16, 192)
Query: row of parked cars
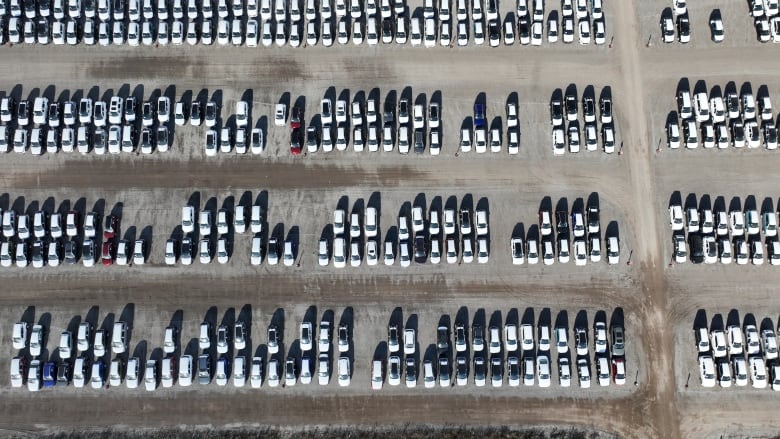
point(150, 22)
point(227, 223)
point(565, 109)
point(717, 235)
point(50, 241)
point(490, 138)
point(173, 368)
point(420, 237)
point(360, 123)
point(528, 352)
point(50, 373)
point(241, 138)
point(582, 240)
point(732, 120)
point(679, 14)
point(766, 16)
point(721, 356)
point(87, 126)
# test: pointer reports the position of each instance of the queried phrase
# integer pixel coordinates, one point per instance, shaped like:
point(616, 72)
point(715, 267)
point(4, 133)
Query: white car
point(769, 343)
point(510, 338)
point(409, 341)
point(344, 375)
point(494, 341)
point(255, 373)
point(169, 340)
point(707, 371)
point(36, 340)
point(758, 373)
point(306, 336)
point(239, 372)
point(204, 337)
point(536, 33)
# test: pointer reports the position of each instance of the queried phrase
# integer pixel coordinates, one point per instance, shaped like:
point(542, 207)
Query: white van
point(119, 338)
point(256, 223)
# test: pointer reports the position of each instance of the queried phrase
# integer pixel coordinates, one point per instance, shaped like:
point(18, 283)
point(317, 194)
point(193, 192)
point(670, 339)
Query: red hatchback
point(111, 228)
point(296, 140)
point(295, 117)
point(108, 253)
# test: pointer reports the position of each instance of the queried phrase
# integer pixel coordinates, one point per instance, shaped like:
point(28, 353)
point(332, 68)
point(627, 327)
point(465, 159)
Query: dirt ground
point(658, 303)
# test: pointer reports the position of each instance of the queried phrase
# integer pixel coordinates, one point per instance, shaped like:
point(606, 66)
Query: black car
point(419, 141)
point(130, 109)
point(88, 250)
point(186, 248)
point(696, 245)
point(29, 8)
point(195, 110)
point(496, 370)
point(403, 109)
point(556, 110)
point(572, 106)
point(273, 248)
point(738, 131)
point(606, 109)
point(480, 370)
point(563, 222)
point(460, 334)
point(392, 335)
point(43, 30)
point(54, 114)
point(204, 369)
point(524, 28)
point(147, 142)
point(99, 140)
point(312, 138)
point(411, 370)
point(443, 339)
point(147, 111)
point(420, 252)
point(770, 132)
point(465, 219)
point(63, 374)
point(684, 26)
point(387, 28)
point(494, 30)
point(588, 107)
point(593, 218)
point(388, 116)
point(37, 252)
point(444, 369)
point(71, 255)
point(23, 110)
point(119, 9)
point(162, 135)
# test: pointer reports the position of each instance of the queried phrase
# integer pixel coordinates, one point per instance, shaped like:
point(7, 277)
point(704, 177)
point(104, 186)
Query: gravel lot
point(659, 303)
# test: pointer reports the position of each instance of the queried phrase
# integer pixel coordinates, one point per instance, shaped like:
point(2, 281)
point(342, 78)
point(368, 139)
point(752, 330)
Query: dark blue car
point(479, 116)
point(50, 374)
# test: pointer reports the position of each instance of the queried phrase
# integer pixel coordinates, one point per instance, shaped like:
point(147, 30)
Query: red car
point(107, 257)
point(111, 227)
point(295, 117)
point(619, 371)
point(296, 140)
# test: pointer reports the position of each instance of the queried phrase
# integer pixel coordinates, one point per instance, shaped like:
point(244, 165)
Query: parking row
point(83, 356)
point(728, 355)
point(565, 109)
point(723, 121)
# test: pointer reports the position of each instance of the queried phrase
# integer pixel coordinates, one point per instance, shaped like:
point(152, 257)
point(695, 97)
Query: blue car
point(479, 116)
point(50, 374)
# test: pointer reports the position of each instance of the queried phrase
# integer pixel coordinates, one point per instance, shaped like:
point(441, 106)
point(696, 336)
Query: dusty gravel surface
point(657, 303)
